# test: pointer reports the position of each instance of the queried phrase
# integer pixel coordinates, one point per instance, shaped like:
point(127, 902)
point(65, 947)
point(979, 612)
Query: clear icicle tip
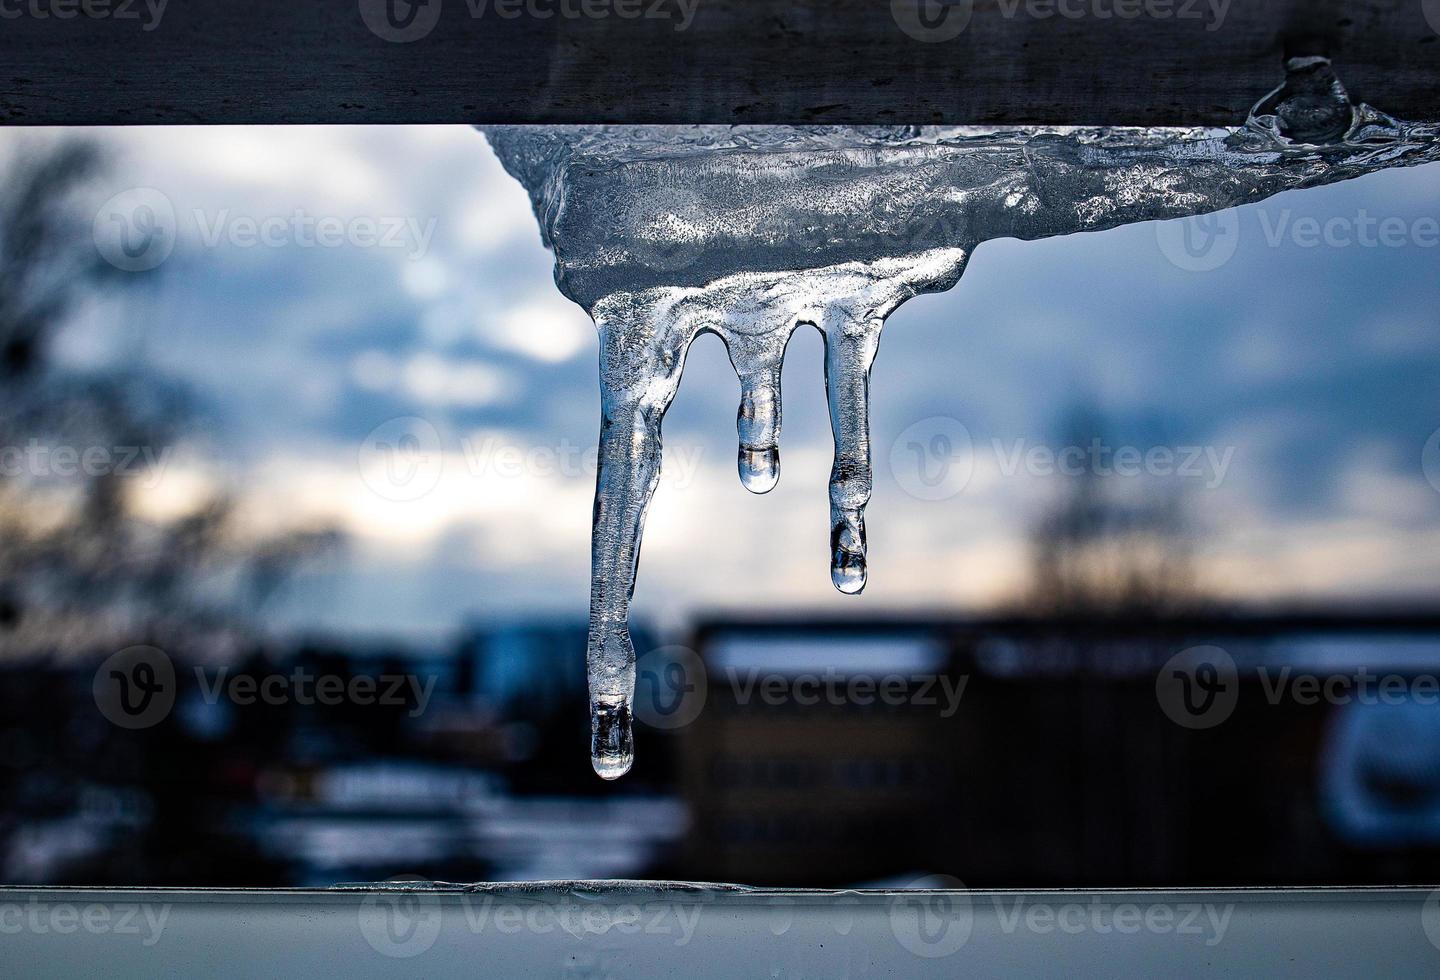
point(759, 469)
point(612, 745)
point(847, 566)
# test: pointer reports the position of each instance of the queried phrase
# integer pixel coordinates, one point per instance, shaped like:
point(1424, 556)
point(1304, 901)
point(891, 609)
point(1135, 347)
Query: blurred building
point(1060, 765)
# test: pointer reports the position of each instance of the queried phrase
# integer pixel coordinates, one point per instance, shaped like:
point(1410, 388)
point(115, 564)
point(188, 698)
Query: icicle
point(641, 358)
point(746, 231)
point(850, 346)
point(758, 421)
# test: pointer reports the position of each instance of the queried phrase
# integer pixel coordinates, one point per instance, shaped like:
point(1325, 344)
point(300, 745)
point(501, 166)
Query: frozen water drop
point(847, 567)
point(758, 421)
point(759, 469)
point(612, 743)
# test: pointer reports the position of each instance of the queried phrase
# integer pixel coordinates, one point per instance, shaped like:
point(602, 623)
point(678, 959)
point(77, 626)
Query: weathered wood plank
point(795, 61)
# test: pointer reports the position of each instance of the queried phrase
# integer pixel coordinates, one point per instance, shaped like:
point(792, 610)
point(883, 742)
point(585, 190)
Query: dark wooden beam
point(736, 61)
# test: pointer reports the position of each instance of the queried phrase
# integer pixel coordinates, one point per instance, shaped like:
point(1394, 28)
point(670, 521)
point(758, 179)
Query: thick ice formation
point(665, 233)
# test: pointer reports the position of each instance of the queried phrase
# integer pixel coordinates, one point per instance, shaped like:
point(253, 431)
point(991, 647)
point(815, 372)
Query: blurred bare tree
point(79, 566)
point(1112, 545)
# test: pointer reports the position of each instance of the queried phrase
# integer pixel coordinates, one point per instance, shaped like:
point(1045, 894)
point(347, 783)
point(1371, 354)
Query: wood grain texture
point(738, 61)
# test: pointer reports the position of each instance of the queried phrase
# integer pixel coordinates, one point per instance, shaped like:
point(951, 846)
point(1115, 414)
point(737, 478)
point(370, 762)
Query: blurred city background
point(296, 465)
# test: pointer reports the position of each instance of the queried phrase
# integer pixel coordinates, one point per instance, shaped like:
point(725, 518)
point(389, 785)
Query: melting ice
point(664, 233)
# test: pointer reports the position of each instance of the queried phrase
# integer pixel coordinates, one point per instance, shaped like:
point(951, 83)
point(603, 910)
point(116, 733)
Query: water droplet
point(759, 469)
point(847, 571)
point(612, 743)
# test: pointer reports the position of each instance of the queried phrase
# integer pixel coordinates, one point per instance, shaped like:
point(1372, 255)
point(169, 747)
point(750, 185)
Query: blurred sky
point(1317, 366)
